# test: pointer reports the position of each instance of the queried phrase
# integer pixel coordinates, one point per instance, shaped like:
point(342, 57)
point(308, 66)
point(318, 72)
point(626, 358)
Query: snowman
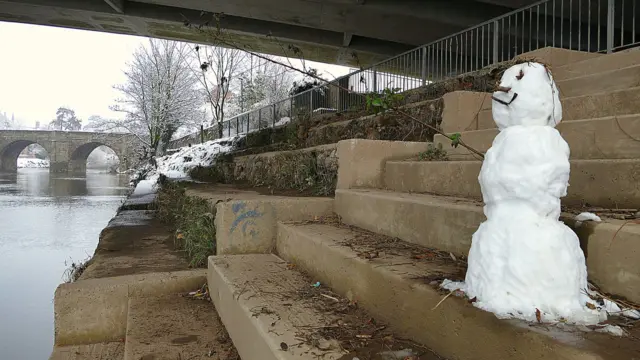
point(524, 263)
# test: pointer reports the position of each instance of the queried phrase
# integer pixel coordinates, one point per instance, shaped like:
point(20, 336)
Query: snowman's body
point(523, 261)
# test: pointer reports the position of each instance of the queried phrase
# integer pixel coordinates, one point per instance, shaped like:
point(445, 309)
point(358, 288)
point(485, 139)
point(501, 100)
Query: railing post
point(274, 115)
point(259, 118)
point(201, 133)
point(611, 11)
point(375, 80)
point(424, 65)
point(495, 42)
point(310, 103)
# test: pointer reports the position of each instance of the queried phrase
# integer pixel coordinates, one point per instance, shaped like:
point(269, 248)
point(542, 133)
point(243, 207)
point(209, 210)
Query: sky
point(43, 68)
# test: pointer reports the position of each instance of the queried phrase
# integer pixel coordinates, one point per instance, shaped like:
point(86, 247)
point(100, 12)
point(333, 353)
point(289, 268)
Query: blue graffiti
point(243, 217)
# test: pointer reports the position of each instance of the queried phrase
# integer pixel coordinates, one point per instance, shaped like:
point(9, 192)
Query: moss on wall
point(311, 171)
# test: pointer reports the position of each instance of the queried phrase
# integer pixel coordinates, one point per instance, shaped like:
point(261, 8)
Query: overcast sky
point(43, 68)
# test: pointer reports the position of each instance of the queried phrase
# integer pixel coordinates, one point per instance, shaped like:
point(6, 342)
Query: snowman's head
point(526, 95)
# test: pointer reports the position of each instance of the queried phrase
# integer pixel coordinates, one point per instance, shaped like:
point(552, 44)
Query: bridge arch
point(9, 153)
point(79, 155)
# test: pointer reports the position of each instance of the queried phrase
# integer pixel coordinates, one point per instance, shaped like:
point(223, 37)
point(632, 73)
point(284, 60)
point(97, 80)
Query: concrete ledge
point(430, 221)
point(102, 351)
point(612, 103)
point(361, 162)
point(617, 79)
point(172, 327)
point(95, 310)
point(246, 226)
point(461, 110)
point(456, 329)
point(612, 258)
point(596, 65)
point(603, 138)
point(606, 183)
point(449, 223)
point(248, 292)
point(556, 57)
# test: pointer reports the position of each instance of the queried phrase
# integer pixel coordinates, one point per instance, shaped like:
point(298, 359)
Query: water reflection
point(45, 221)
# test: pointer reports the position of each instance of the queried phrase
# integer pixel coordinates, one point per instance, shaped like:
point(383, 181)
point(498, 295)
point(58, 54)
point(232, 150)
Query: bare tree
point(160, 95)
point(218, 69)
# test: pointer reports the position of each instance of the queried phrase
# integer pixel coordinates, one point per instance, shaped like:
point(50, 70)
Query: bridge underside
point(329, 31)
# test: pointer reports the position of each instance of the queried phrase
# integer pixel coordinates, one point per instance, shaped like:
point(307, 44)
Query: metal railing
point(583, 25)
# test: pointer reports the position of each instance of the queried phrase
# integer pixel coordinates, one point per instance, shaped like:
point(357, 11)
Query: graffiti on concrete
point(245, 219)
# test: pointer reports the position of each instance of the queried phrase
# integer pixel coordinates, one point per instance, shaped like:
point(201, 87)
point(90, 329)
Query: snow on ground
point(32, 163)
point(586, 216)
point(177, 165)
point(283, 121)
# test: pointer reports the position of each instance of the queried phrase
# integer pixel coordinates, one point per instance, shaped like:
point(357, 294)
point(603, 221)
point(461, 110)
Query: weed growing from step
point(434, 153)
point(386, 100)
point(193, 219)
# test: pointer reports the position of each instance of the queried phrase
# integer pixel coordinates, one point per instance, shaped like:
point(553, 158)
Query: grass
point(193, 219)
point(75, 270)
point(434, 153)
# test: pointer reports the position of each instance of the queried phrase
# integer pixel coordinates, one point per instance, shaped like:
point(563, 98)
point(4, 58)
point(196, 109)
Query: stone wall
point(312, 171)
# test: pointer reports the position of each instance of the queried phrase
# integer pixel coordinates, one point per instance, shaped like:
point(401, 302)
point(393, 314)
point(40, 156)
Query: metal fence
point(585, 25)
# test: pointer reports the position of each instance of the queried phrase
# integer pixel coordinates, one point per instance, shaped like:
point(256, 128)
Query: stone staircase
point(397, 227)
point(356, 276)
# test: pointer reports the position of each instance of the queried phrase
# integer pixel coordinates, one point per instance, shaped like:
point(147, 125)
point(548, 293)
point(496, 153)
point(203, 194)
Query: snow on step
point(391, 280)
point(101, 351)
point(174, 327)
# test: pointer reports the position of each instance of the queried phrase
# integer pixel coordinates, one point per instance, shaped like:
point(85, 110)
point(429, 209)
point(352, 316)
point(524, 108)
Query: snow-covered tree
point(217, 70)
point(65, 119)
point(7, 122)
point(160, 94)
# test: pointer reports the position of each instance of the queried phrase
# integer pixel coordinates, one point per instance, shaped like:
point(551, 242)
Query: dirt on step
point(358, 334)
point(134, 242)
point(177, 326)
point(369, 245)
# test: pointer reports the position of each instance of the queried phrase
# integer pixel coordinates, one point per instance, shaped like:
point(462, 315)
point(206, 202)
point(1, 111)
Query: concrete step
point(431, 221)
point(245, 221)
point(612, 80)
point(95, 310)
point(466, 111)
point(605, 183)
point(272, 311)
point(395, 287)
point(174, 327)
point(597, 65)
point(101, 351)
point(615, 137)
point(448, 223)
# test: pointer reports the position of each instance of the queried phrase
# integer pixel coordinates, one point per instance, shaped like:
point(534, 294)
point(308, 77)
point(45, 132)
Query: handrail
point(492, 41)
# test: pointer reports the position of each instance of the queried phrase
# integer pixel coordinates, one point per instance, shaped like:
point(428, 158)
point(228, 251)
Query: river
point(46, 221)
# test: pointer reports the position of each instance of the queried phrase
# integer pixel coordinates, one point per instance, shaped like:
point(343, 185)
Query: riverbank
point(136, 286)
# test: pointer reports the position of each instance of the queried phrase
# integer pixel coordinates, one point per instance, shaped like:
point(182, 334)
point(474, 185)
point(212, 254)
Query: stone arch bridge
point(68, 150)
